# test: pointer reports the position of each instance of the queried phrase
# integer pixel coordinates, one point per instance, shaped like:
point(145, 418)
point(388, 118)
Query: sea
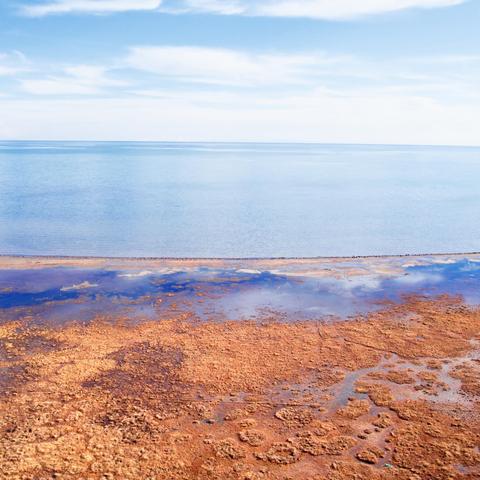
point(236, 200)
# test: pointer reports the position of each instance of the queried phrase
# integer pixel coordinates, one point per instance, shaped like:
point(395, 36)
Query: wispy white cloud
point(76, 80)
point(185, 93)
point(320, 9)
point(340, 9)
point(164, 70)
point(426, 76)
point(226, 67)
point(220, 7)
point(50, 7)
point(13, 63)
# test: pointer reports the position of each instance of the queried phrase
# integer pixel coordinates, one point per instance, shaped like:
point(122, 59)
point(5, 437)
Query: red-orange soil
point(395, 395)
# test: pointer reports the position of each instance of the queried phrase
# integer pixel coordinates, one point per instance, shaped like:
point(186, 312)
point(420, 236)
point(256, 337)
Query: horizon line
point(245, 142)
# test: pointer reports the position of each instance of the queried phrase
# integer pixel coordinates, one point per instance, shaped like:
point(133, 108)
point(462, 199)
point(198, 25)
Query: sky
point(327, 71)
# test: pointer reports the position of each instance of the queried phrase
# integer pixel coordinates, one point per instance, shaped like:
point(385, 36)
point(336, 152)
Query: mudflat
point(364, 368)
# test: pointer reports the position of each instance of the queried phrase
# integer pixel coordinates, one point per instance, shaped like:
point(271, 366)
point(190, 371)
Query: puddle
point(446, 389)
point(460, 278)
point(60, 295)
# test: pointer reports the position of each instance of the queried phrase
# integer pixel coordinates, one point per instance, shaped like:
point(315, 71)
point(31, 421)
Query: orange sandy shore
point(393, 395)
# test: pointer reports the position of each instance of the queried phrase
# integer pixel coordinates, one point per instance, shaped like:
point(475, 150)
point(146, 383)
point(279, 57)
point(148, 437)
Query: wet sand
point(261, 369)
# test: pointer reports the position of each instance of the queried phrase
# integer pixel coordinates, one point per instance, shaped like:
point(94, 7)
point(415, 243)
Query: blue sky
point(355, 71)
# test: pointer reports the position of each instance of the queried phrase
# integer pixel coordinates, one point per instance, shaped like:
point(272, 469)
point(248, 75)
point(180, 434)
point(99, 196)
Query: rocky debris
point(337, 445)
point(434, 364)
point(308, 442)
point(431, 446)
point(235, 414)
point(409, 409)
point(354, 409)
point(228, 448)
point(254, 438)
point(370, 455)
point(251, 475)
point(379, 394)
point(383, 420)
point(401, 377)
point(248, 423)
point(328, 377)
point(241, 413)
point(133, 423)
point(281, 453)
point(469, 375)
point(428, 376)
point(294, 416)
point(322, 427)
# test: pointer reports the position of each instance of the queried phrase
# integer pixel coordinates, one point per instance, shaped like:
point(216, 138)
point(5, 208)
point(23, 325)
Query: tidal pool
point(64, 294)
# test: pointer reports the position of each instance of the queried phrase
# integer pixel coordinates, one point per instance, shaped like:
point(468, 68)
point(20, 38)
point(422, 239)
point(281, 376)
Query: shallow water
point(236, 200)
point(60, 295)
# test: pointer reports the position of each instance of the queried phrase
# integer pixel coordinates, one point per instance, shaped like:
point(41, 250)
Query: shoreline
point(236, 259)
point(307, 266)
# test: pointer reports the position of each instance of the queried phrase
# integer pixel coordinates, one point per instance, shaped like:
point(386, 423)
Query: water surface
point(61, 295)
point(236, 200)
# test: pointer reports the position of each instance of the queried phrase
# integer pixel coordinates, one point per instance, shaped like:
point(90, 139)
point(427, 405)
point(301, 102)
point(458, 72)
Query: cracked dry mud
point(378, 397)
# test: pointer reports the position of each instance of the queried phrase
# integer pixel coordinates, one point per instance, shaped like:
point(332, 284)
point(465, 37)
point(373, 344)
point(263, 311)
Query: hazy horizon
point(244, 142)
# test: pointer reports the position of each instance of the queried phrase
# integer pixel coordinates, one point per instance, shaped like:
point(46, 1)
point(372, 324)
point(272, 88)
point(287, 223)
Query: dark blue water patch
point(461, 278)
point(48, 279)
point(29, 299)
point(216, 281)
point(25, 288)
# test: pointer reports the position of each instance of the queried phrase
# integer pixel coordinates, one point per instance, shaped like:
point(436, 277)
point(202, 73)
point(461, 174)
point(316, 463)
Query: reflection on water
point(456, 278)
point(58, 295)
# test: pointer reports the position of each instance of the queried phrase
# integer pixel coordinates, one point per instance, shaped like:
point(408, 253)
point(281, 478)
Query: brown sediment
point(394, 395)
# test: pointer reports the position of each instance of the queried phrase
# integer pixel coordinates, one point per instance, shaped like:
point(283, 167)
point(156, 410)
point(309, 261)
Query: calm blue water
point(236, 200)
